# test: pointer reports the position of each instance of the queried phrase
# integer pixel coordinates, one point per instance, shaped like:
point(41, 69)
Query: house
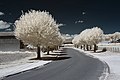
point(8, 42)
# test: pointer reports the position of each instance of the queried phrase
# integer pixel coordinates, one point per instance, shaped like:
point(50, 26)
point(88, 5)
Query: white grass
point(20, 68)
point(9, 68)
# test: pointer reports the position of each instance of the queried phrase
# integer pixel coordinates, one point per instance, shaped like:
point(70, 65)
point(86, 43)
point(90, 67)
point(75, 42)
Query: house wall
point(9, 44)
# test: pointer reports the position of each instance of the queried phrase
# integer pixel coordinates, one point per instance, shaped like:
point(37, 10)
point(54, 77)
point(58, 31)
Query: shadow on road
point(60, 52)
point(51, 58)
point(56, 54)
point(99, 51)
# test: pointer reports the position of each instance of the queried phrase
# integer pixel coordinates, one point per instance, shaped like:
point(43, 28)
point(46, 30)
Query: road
point(77, 67)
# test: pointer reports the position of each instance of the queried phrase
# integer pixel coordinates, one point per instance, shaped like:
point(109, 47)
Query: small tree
point(75, 41)
point(35, 27)
point(96, 36)
point(53, 41)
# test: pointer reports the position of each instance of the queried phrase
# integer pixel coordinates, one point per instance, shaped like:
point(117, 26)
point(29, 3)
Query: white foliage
point(76, 40)
point(96, 35)
point(116, 35)
point(113, 37)
point(55, 40)
point(89, 36)
point(37, 28)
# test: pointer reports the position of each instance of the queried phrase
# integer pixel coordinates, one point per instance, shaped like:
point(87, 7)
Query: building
point(8, 42)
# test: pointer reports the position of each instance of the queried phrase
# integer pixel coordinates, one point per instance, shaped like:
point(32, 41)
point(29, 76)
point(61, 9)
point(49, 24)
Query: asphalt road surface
point(73, 66)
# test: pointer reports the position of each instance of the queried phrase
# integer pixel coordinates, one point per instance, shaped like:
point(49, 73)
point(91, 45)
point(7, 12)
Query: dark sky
point(102, 13)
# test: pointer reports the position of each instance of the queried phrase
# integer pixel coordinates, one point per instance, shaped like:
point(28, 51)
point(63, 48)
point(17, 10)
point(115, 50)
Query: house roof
point(6, 33)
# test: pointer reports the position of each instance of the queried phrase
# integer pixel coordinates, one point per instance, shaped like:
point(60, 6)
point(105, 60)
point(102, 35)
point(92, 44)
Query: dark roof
point(6, 33)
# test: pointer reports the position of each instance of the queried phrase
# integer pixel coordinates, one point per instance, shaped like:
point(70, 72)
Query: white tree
point(113, 37)
point(36, 28)
point(116, 36)
point(106, 37)
point(89, 37)
point(96, 36)
point(110, 37)
point(52, 41)
point(75, 41)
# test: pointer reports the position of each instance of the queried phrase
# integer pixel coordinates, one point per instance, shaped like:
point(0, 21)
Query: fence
point(112, 48)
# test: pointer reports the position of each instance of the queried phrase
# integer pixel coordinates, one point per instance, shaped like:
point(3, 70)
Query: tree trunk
point(21, 45)
point(77, 46)
point(47, 50)
point(87, 47)
point(95, 47)
point(84, 47)
point(38, 53)
point(90, 47)
point(81, 47)
point(58, 47)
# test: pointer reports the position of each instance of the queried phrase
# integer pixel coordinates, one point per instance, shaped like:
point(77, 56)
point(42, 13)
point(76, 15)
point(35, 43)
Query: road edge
point(24, 70)
point(106, 71)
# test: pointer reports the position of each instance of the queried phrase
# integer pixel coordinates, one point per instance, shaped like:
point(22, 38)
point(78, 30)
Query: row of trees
point(38, 28)
point(88, 37)
point(112, 37)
